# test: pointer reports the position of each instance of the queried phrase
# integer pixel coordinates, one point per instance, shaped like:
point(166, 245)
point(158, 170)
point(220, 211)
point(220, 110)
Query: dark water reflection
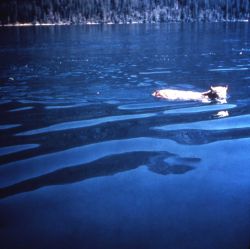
point(84, 145)
point(106, 166)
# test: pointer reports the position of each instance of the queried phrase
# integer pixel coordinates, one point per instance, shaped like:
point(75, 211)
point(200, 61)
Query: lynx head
point(218, 94)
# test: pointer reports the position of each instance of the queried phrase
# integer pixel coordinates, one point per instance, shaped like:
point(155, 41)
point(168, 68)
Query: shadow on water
point(163, 163)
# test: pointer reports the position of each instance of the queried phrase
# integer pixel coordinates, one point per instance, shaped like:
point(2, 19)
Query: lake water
point(89, 159)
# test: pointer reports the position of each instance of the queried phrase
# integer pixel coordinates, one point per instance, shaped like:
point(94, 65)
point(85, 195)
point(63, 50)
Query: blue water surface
point(90, 159)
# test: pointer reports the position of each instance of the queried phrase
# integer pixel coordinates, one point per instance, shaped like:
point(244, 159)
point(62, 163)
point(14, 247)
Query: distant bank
point(87, 23)
point(64, 12)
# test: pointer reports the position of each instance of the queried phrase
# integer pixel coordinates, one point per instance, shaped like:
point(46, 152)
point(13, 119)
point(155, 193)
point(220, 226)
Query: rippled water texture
point(90, 159)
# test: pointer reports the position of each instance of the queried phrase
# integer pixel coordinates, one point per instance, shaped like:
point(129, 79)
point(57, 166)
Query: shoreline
point(110, 23)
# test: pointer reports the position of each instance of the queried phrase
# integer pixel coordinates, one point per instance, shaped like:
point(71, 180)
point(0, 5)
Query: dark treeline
point(121, 11)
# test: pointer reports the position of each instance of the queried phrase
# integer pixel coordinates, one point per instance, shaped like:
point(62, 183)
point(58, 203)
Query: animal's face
point(220, 91)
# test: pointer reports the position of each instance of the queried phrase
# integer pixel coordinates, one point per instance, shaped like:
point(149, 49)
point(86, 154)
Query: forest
point(121, 11)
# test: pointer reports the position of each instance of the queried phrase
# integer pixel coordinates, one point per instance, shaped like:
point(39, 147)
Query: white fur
point(218, 94)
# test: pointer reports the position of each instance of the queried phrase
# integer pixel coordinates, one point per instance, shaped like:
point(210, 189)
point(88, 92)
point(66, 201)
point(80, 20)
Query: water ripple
point(228, 69)
point(154, 72)
point(66, 106)
point(237, 122)
point(198, 109)
point(21, 109)
point(16, 148)
point(84, 123)
point(142, 106)
point(13, 172)
point(9, 126)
